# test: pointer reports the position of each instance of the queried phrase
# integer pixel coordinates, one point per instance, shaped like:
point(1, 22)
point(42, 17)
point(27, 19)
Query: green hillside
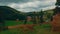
point(9, 13)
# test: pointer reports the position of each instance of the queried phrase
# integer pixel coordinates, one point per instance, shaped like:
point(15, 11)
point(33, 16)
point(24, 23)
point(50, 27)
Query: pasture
point(38, 29)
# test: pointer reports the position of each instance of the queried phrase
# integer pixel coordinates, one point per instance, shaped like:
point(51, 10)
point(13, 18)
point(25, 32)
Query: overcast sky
point(29, 5)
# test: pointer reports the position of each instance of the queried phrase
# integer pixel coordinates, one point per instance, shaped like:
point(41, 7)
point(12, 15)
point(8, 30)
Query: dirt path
point(22, 26)
point(11, 27)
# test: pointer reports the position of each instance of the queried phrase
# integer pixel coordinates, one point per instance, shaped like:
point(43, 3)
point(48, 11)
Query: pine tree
point(57, 9)
point(41, 17)
point(58, 3)
point(34, 18)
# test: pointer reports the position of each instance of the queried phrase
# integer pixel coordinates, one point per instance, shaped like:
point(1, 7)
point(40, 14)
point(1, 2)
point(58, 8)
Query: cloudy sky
point(29, 5)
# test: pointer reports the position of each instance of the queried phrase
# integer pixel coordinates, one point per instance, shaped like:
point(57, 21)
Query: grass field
point(39, 29)
point(12, 23)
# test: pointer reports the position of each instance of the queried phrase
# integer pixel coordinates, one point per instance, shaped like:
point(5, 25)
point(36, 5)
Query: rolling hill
point(10, 13)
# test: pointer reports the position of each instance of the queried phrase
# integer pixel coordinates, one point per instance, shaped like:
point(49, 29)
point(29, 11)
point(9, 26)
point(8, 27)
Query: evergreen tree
point(34, 18)
point(57, 9)
point(41, 16)
point(58, 3)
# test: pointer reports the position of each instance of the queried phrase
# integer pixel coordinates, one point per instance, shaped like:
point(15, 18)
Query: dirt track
point(22, 26)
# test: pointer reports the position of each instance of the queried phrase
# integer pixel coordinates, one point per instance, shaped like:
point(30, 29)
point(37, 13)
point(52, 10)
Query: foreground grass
point(39, 29)
point(43, 29)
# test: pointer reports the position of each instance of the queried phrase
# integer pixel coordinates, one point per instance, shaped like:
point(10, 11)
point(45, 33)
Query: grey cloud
point(40, 5)
point(16, 1)
point(4, 1)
